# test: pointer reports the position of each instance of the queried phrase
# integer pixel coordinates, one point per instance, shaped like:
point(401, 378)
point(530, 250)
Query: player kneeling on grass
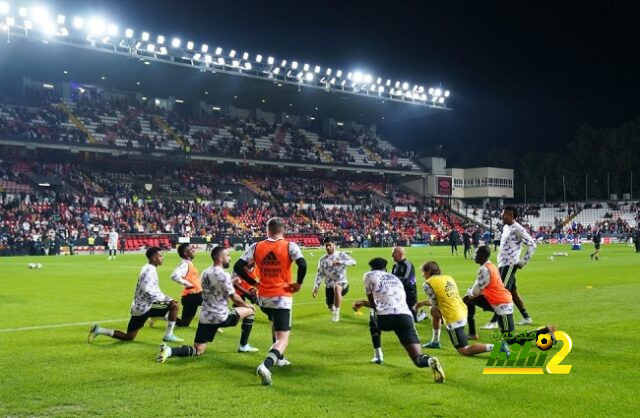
point(149, 301)
point(489, 293)
point(390, 312)
point(217, 289)
point(446, 304)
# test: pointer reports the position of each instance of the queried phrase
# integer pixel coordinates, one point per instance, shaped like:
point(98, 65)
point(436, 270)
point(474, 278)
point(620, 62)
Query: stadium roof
point(271, 83)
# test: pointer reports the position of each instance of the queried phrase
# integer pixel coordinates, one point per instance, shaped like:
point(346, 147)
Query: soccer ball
point(38, 265)
point(551, 258)
point(545, 341)
point(32, 265)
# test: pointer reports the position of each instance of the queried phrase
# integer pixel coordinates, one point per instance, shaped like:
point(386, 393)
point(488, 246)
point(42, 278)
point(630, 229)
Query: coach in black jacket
point(403, 269)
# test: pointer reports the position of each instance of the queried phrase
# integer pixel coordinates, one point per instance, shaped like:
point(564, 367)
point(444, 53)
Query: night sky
point(524, 75)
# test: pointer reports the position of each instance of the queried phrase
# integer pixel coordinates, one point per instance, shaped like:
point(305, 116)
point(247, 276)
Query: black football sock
point(247, 324)
point(421, 361)
point(524, 313)
point(494, 318)
point(184, 351)
point(271, 358)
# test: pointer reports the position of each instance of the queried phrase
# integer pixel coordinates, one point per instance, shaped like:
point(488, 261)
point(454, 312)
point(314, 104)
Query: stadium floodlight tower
point(38, 23)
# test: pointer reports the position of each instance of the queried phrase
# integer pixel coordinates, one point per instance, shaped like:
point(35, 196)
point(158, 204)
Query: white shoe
point(490, 325)
point(335, 318)
point(264, 374)
point(436, 368)
point(247, 348)
point(92, 333)
point(377, 360)
point(422, 315)
point(164, 353)
point(282, 362)
point(526, 321)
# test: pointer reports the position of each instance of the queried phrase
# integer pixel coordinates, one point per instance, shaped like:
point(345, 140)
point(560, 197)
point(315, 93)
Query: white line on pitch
point(75, 324)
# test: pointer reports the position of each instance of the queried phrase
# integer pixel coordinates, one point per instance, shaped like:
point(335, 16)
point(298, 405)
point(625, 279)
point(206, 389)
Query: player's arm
point(481, 282)
point(295, 254)
point(529, 242)
point(347, 260)
point(151, 290)
point(432, 298)
point(178, 274)
point(320, 276)
point(240, 266)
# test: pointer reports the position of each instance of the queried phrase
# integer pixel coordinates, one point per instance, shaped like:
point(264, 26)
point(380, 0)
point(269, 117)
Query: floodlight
point(175, 43)
point(220, 61)
point(283, 63)
point(78, 22)
point(405, 86)
point(218, 51)
point(328, 72)
point(112, 30)
point(431, 90)
point(151, 48)
point(447, 93)
point(197, 56)
point(305, 67)
point(145, 36)
point(61, 19)
point(128, 33)
point(204, 48)
point(232, 53)
point(317, 69)
point(373, 87)
point(380, 89)
point(39, 14)
point(11, 21)
point(271, 60)
point(309, 77)
point(299, 75)
point(95, 26)
point(160, 39)
point(235, 63)
point(247, 65)
point(294, 65)
point(190, 45)
point(163, 50)
point(258, 58)
point(64, 32)
point(333, 80)
point(179, 101)
point(368, 78)
point(48, 28)
point(434, 99)
point(4, 8)
point(357, 76)
point(441, 100)
point(388, 83)
point(438, 92)
point(208, 58)
point(339, 73)
point(343, 83)
point(397, 85)
point(245, 56)
point(276, 70)
point(47, 86)
point(22, 11)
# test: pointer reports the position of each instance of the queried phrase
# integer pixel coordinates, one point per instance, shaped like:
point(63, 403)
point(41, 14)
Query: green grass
point(53, 371)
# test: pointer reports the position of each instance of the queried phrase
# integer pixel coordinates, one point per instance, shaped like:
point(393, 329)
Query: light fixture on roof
point(258, 58)
point(151, 48)
point(47, 86)
point(28, 25)
point(128, 33)
point(368, 78)
point(232, 53)
point(247, 66)
point(339, 73)
point(270, 60)
point(208, 58)
point(438, 92)
point(160, 40)
point(197, 56)
point(11, 21)
point(179, 101)
point(305, 67)
point(220, 61)
point(218, 51)
point(4, 8)
point(61, 19)
point(309, 77)
point(430, 90)
point(294, 65)
point(112, 30)
point(245, 55)
point(317, 69)
point(190, 45)
point(276, 70)
point(145, 36)
point(175, 43)
point(78, 22)
point(441, 100)
point(447, 93)
point(405, 86)
point(204, 48)
point(22, 11)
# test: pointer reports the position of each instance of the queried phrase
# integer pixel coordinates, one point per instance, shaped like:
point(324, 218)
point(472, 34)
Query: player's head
point(398, 254)
point(275, 226)
point(154, 255)
point(329, 245)
point(430, 268)
point(220, 256)
point(509, 214)
point(378, 263)
point(186, 251)
point(482, 254)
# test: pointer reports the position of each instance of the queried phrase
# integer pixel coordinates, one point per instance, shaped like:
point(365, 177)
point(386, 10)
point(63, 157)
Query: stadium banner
point(444, 186)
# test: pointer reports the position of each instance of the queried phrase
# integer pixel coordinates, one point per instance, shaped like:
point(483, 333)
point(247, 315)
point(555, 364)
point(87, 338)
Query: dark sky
point(526, 74)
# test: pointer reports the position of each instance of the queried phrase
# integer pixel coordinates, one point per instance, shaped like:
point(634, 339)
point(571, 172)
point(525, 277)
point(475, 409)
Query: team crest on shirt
point(148, 186)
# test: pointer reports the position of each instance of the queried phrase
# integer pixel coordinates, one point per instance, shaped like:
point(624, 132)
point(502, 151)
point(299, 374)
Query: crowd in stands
point(120, 121)
point(198, 203)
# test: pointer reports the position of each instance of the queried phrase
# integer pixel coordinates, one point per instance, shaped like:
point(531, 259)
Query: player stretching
point(187, 275)
point(513, 236)
point(446, 304)
point(489, 293)
point(332, 268)
point(389, 312)
point(112, 243)
point(217, 290)
point(273, 258)
point(148, 301)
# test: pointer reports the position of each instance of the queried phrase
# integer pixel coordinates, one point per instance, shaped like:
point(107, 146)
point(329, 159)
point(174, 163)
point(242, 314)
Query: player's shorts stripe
point(508, 275)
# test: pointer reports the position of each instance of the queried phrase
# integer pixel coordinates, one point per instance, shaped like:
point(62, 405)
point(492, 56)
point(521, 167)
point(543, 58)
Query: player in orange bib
point(187, 275)
point(489, 293)
point(273, 258)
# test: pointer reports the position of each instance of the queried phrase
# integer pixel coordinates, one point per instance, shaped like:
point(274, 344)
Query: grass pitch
point(47, 367)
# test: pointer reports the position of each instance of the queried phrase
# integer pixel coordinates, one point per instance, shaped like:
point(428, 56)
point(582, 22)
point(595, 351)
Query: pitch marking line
point(75, 324)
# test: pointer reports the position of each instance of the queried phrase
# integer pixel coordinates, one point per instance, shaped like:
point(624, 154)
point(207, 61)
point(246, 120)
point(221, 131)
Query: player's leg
point(405, 329)
point(190, 304)
point(135, 323)
point(436, 320)
point(247, 315)
point(376, 338)
point(329, 297)
point(338, 291)
point(281, 319)
point(171, 323)
point(459, 340)
point(205, 333)
point(481, 302)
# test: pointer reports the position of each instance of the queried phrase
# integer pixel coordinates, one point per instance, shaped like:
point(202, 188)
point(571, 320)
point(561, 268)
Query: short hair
point(151, 252)
point(378, 263)
point(181, 248)
point(327, 240)
point(513, 210)
point(432, 268)
point(275, 225)
point(483, 251)
point(216, 251)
